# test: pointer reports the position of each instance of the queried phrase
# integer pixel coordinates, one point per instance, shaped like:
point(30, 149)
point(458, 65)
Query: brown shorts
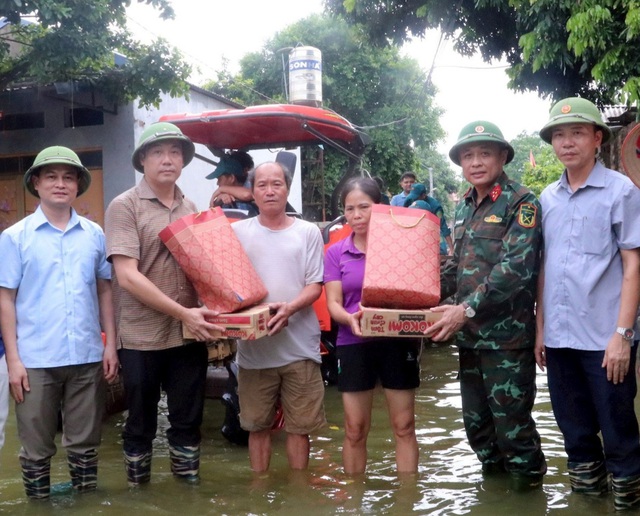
point(300, 388)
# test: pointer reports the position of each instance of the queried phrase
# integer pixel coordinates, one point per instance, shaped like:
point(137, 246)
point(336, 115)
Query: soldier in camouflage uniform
point(493, 276)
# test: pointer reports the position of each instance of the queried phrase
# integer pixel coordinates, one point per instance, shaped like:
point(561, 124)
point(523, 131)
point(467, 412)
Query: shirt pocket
point(596, 237)
point(488, 240)
point(87, 263)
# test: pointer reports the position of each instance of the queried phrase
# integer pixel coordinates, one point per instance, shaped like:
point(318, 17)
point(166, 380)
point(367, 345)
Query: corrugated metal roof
point(619, 114)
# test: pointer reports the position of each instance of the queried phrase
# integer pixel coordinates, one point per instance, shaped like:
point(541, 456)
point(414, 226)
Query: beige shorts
point(300, 388)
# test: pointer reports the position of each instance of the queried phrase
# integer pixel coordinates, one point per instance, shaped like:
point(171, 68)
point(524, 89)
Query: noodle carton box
point(389, 322)
point(247, 324)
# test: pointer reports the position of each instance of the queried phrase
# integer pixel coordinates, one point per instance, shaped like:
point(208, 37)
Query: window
point(82, 117)
point(17, 121)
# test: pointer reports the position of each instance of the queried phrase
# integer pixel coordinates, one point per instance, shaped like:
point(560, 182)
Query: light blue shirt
point(398, 200)
point(583, 234)
point(55, 273)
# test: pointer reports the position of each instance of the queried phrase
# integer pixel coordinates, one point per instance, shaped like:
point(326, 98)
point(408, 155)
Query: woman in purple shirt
point(362, 362)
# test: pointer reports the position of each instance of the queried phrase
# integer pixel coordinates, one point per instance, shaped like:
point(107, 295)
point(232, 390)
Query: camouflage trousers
point(498, 390)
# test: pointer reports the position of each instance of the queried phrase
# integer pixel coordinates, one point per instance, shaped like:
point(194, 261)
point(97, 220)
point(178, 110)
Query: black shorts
point(395, 362)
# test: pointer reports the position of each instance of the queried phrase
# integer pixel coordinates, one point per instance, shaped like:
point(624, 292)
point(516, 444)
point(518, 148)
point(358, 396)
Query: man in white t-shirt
point(287, 253)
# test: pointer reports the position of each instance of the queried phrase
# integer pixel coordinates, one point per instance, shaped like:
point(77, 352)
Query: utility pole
point(431, 181)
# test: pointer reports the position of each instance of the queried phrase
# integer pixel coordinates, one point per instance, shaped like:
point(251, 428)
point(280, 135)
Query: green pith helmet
point(478, 132)
point(159, 132)
point(575, 110)
point(58, 156)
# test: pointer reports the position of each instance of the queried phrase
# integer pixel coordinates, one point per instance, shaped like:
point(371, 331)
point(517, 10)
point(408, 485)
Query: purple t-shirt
point(345, 263)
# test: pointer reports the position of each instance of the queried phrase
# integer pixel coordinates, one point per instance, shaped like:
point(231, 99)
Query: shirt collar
point(40, 219)
point(495, 192)
point(596, 178)
point(349, 247)
point(145, 191)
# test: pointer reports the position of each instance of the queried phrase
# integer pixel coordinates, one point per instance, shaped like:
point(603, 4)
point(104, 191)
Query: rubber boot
point(522, 482)
point(588, 478)
point(138, 468)
point(185, 462)
point(626, 493)
point(83, 468)
point(36, 478)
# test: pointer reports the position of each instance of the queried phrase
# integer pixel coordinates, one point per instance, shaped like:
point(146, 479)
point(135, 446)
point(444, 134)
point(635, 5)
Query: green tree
point(376, 89)
point(74, 40)
point(557, 48)
point(547, 170)
point(524, 146)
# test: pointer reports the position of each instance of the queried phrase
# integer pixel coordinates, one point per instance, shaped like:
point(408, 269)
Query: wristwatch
point(627, 333)
point(468, 311)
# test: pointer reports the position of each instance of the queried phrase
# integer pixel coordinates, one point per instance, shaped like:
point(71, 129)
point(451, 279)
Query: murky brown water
point(448, 483)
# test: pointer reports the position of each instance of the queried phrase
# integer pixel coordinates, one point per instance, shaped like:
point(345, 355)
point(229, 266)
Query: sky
point(208, 32)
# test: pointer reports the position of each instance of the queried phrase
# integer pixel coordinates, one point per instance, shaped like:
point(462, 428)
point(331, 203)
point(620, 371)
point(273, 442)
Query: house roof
point(617, 115)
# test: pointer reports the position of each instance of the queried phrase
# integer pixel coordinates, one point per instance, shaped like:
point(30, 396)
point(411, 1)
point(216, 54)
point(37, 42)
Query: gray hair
point(288, 175)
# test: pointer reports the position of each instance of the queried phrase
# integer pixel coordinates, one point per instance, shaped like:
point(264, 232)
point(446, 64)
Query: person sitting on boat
point(233, 192)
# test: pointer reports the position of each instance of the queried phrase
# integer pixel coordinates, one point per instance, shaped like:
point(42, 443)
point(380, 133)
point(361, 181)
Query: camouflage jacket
point(494, 266)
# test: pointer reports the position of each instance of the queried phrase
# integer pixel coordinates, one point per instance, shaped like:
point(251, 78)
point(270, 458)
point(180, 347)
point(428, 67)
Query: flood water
point(448, 483)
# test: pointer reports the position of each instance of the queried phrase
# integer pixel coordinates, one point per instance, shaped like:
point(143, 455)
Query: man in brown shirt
point(152, 299)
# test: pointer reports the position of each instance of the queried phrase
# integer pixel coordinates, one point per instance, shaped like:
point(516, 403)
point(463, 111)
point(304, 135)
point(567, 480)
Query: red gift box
point(403, 259)
point(209, 252)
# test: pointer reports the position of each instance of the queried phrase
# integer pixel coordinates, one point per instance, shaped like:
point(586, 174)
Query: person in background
point(287, 253)
point(418, 198)
point(233, 191)
point(153, 299)
point(406, 182)
point(588, 305)
point(55, 298)
point(362, 362)
point(384, 198)
point(493, 275)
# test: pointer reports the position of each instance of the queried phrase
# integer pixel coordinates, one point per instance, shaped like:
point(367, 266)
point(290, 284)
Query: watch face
point(627, 333)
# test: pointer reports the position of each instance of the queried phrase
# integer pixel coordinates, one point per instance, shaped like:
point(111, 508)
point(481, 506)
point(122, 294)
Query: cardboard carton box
point(248, 324)
point(389, 322)
point(218, 350)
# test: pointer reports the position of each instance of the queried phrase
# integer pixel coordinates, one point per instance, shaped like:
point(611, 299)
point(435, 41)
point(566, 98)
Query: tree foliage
point(524, 146)
point(376, 89)
point(547, 170)
point(557, 48)
point(74, 40)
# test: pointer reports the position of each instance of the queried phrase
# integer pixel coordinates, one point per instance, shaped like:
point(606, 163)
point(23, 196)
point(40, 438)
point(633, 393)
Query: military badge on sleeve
point(527, 215)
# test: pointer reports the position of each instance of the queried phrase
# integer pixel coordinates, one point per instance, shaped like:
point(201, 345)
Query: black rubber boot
point(36, 478)
point(185, 462)
point(138, 468)
point(588, 478)
point(626, 493)
point(83, 468)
